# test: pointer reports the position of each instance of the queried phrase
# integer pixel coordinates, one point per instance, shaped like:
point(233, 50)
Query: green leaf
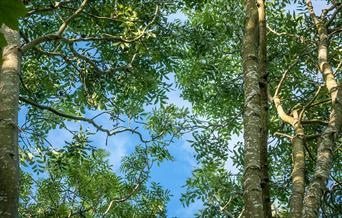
point(3, 42)
point(10, 11)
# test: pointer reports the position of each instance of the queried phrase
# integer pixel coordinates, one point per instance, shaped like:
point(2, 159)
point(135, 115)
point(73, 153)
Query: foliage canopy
point(93, 68)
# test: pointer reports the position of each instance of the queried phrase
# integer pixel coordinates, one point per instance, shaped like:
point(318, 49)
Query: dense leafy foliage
point(101, 59)
point(80, 182)
point(211, 77)
point(102, 68)
point(10, 12)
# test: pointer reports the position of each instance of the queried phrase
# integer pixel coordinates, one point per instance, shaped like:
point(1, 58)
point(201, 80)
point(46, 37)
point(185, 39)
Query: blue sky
point(171, 174)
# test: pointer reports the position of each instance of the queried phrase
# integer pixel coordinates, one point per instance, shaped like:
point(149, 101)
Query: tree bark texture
point(298, 168)
point(9, 95)
point(316, 189)
point(252, 116)
point(298, 157)
point(263, 83)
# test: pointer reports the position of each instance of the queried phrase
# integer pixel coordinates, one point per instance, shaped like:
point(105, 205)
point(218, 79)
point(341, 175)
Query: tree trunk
point(251, 116)
point(296, 202)
point(316, 189)
point(9, 95)
point(298, 168)
point(262, 70)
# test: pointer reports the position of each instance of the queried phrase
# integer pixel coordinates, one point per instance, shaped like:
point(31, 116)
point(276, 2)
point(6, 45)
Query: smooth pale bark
point(298, 169)
point(251, 116)
point(296, 201)
point(9, 95)
point(262, 70)
point(298, 156)
point(315, 191)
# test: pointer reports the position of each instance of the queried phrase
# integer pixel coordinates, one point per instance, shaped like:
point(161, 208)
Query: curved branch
point(67, 21)
point(276, 99)
point(51, 8)
point(331, 19)
point(301, 114)
point(87, 120)
point(143, 176)
point(58, 34)
point(106, 37)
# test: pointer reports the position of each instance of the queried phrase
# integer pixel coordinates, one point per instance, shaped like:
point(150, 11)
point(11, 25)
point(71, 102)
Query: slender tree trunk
point(9, 95)
point(298, 169)
point(298, 158)
point(315, 191)
point(252, 131)
point(266, 199)
point(296, 202)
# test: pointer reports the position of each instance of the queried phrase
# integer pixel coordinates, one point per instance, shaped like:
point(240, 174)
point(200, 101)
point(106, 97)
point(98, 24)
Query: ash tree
point(265, 70)
point(81, 62)
point(275, 79)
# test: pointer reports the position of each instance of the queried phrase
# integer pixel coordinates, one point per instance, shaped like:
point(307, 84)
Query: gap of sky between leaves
point(170, 174)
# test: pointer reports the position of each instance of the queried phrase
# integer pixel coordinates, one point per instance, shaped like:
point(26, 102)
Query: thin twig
point(90, 121)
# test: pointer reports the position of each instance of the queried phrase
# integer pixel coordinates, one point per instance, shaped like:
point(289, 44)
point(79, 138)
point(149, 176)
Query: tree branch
point(58, 34)
point(312, 12)
point(301, 114)
point(87, 120)
point(143, 176)
point(67, 21)
point(51, 8)
point(314, 121)
point(276, 99)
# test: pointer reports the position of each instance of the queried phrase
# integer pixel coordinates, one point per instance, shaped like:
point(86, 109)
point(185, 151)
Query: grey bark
point(316, 189)
point(251, 116)
point(298, 168)
point(9, 94)
point(263, 83)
